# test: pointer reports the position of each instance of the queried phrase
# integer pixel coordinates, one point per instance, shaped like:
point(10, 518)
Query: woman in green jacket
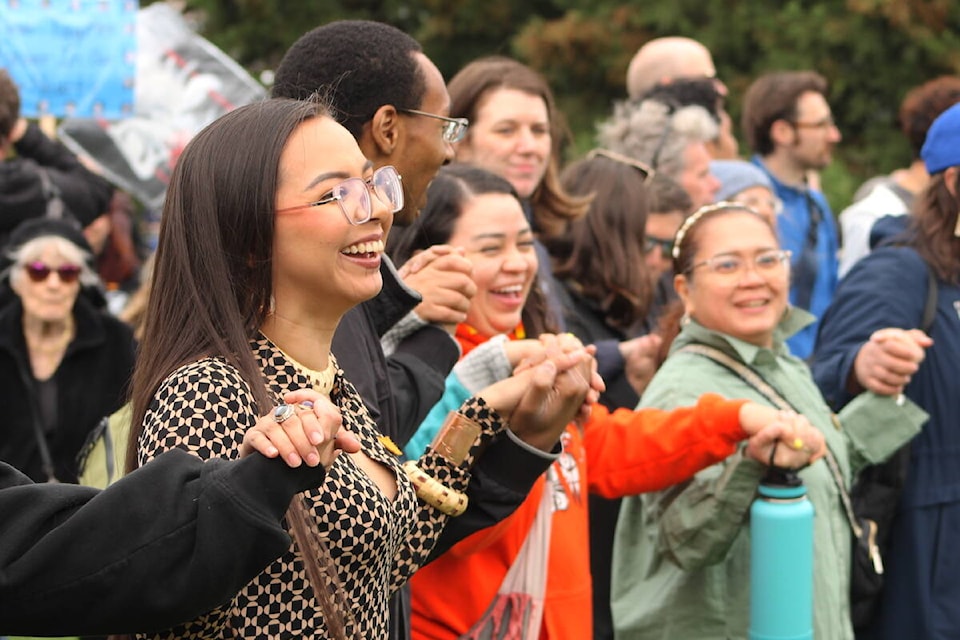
point(681, 556)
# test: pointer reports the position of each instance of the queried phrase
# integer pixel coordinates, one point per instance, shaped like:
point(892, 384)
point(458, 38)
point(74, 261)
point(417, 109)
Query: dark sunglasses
point(39, 272)
point(651, 243)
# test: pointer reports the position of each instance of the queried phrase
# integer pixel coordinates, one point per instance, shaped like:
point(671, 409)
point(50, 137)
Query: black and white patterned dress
point(376, 544)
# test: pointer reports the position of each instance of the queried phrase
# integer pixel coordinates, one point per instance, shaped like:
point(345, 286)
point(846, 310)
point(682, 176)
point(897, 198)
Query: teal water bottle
point(781, 559)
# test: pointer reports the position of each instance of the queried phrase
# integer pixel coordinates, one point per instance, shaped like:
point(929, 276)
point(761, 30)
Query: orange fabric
point(627, 452)
point(469, 338)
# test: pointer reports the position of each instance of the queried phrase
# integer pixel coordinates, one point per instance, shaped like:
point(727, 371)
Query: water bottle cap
point(780, 477)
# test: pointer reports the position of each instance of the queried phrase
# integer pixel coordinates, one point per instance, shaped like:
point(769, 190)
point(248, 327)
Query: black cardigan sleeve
point(86, 194)
point(172, 540)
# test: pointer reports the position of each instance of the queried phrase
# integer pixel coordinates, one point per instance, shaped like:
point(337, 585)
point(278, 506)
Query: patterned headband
point(723, 205)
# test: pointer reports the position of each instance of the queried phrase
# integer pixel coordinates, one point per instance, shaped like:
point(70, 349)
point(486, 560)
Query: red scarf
point(469, 338)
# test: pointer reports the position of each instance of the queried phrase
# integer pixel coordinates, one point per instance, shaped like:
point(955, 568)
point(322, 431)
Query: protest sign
point(70, 57)
point(183, 84)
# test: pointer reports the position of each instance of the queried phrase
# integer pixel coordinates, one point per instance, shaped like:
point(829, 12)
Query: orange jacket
point(626, 452)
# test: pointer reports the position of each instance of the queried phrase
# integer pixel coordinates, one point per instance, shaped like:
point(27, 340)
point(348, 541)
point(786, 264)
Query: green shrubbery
point(872, 51)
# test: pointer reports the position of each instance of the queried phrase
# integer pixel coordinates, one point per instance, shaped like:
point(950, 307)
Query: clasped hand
point(886, 362)
point(554, 381)
point(794, 442)
point(444, 278)
point(312, 434)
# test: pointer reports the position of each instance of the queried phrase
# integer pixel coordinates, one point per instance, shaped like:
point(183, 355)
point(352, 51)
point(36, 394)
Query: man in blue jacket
point(789, 127)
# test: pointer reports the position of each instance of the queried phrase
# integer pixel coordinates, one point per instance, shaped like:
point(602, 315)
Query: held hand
point(790, 438)
point(528, 352)
point(887, 361)
point(640, 360)
point(565, 343)
point(542, 399)
point(310, 432)
point(756, 417)
point(421, 259)
point(444, 277)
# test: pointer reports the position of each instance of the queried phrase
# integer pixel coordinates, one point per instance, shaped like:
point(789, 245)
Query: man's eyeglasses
point(650, 244)
point(353, 195)
point(764, 263)
point(39, 272)
point(642, 167)
point(453, 128)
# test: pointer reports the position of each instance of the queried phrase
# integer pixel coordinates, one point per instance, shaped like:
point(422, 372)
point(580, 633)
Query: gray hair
point(34, 248)
point(656, 133)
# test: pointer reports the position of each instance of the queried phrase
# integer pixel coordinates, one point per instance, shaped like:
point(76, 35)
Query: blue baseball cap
point(941, 149)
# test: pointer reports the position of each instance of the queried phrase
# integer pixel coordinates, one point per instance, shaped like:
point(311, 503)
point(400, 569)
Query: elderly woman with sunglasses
point(682, 555)
point(64, 361)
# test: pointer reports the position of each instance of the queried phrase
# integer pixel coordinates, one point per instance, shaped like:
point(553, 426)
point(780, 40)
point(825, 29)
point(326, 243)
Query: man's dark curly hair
point(357, 65)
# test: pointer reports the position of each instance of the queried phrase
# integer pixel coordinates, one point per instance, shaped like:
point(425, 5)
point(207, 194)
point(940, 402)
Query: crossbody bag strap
point(752, 378)
point(46, 460)
point(807, 264)
point(930, 305)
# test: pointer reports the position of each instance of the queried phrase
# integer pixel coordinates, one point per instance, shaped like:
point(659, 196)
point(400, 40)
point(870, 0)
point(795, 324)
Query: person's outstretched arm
point(172, 540)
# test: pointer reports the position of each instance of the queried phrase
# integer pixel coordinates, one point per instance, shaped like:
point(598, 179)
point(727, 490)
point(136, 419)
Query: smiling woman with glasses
point(732, 280)
point(353, 195)
point(64, 361)
point(254, 272)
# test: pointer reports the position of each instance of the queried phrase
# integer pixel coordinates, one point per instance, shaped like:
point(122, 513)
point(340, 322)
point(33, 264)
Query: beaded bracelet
point(433, 492)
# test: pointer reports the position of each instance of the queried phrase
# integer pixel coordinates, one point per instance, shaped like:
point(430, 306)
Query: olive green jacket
point(682, 556)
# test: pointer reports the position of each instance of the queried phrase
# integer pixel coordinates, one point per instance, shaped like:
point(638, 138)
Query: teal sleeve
point(454, 395)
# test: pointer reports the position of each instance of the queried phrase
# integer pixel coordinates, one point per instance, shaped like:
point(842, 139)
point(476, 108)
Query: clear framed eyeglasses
point(353, 195)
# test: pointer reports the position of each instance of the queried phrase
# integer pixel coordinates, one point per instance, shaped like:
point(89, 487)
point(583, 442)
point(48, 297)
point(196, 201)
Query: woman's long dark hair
point(932, 229)
point(212, 278)
point(449, 192)
point(606, 247)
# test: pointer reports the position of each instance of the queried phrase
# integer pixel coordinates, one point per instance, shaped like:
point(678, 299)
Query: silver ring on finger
point(283, 412)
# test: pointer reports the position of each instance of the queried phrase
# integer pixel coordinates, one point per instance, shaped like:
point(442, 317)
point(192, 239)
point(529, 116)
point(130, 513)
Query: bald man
point(663, 60)
point(672, 66)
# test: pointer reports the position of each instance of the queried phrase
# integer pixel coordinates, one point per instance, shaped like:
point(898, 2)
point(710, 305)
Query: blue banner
point(183, 83)
point(71, 58)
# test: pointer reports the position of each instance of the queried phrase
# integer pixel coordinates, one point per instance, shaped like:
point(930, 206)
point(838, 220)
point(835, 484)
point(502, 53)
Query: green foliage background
point(872, 51)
